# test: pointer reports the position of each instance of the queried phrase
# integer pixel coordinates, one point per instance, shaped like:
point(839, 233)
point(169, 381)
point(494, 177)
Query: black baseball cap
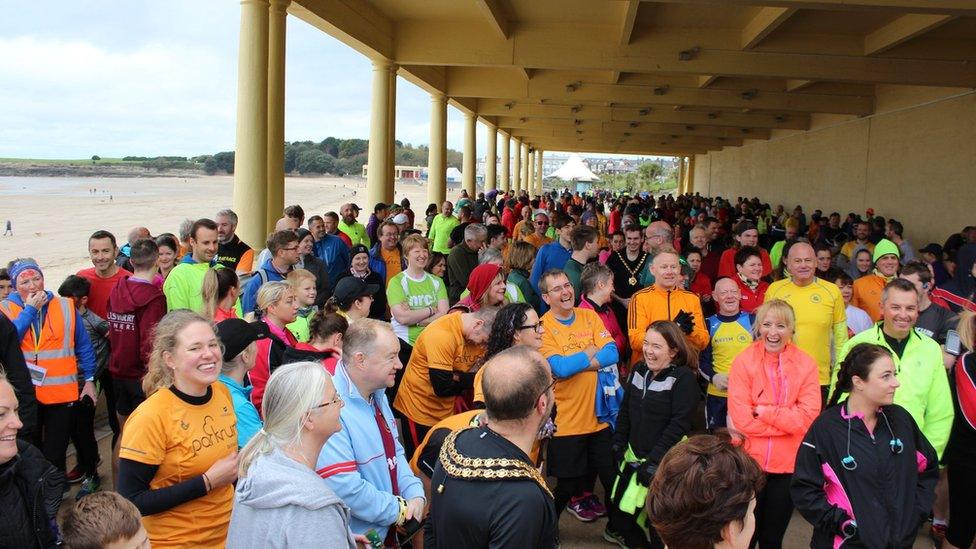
point(932, 248)
point(350, 289)
point(237, 334)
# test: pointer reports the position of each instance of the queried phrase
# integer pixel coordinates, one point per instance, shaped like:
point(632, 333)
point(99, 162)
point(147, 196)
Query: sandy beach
point(53, 216)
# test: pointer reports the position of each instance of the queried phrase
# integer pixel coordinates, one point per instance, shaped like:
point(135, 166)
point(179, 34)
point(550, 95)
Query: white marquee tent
point(574, 170)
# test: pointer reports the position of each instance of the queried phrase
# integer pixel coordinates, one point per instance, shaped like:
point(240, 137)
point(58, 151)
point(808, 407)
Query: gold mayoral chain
point(633, 272)
point(459, 466)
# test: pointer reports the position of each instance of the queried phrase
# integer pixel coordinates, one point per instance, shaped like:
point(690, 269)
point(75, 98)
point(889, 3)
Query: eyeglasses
point(335, 400)
point(537, 327)
point(567, 286)
point(548, 387)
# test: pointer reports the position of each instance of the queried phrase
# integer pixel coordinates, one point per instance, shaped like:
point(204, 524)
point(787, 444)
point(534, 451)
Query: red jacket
point(270, 351)
point(726, 265)
point(610, 323)
point(509, 220)
point(788, 391)
point(751, 299)
point(701, 285)
point(134, 309)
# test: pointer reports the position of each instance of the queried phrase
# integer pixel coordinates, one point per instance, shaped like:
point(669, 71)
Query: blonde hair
point(165, 341)
point(271, 293)
point(967, 329)
point(779, 309)
point(296, 277)
point(291, 392)
point(216, 285)
point(412, 241)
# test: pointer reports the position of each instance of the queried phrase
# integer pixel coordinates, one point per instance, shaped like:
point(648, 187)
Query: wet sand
point(53, 216)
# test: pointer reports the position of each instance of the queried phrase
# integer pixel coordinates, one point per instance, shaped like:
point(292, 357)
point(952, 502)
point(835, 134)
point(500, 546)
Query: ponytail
point(857, 363)
point(216, 285)
point(331, 306)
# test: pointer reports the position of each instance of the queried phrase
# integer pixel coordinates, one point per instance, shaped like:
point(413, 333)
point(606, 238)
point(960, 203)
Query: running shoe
point(577, 507)
point(89, 486)
point(74, 476)
point(613, 537)
point(592, 501)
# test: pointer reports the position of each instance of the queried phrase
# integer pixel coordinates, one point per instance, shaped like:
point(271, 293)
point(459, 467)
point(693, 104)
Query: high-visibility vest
point(54, 350)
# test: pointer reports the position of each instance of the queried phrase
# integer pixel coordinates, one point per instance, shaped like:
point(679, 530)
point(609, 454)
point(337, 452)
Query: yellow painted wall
point(915, 161)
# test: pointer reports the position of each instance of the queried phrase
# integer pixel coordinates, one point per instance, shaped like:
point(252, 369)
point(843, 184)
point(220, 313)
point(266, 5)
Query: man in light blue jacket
point(364, 463)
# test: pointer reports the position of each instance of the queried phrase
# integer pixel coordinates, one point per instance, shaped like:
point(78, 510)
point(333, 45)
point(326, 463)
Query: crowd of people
point(463, 379)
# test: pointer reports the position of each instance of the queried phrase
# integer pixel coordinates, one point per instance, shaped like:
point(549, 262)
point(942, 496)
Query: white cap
point(400, 218)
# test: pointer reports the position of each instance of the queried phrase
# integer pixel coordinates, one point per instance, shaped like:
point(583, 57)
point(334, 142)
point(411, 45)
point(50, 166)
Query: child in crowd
point(77, 288)
point(857, 318)
point(105, 520)
point(303, 283)
point(729, 332)
point(135, 307)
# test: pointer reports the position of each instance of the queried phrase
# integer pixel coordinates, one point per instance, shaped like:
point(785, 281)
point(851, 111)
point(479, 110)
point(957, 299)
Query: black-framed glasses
point(546, 390)
point(335, 400)
point(537, 327)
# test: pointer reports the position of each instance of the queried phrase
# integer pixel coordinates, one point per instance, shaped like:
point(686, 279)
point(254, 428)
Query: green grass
point(63, 162)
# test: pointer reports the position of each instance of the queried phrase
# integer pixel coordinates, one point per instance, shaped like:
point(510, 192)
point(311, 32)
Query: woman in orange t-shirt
point(178, 456)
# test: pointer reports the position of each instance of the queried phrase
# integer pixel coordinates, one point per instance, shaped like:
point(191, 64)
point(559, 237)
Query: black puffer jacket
point(30, 494)
point(656, 411)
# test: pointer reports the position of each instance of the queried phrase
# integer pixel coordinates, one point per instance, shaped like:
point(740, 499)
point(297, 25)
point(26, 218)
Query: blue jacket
point(354, 465)
point(249, 296)
point(609, 394)
point(378, 266)
point(248, 420)
point(550, 256)
point(84, 352)
point(335, 254)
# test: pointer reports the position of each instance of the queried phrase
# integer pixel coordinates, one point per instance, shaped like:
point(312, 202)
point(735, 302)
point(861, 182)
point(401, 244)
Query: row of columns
point(259, 174)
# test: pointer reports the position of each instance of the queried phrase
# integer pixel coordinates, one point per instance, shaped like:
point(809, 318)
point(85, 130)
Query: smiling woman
point(178, 454)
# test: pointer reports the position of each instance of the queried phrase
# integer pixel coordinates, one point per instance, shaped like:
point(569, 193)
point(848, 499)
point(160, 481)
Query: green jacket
point(183, 286)
point(356, 233)
point(924, 389)
point(440, 232)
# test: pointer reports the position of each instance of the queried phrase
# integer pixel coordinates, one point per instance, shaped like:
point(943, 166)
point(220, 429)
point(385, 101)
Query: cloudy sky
point(151, 77)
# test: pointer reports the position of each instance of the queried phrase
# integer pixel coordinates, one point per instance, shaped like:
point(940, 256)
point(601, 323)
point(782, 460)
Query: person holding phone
point(56, 348)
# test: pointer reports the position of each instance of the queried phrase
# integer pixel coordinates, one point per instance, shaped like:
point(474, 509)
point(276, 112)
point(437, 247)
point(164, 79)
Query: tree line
point(332, 156)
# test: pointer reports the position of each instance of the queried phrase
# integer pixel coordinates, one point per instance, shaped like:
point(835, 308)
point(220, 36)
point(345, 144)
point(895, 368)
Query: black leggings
point(55, 422)
point(962, 506)
point(774, 509)
point(83, 437)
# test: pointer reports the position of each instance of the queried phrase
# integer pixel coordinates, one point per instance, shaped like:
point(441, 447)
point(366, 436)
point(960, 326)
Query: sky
point(152, 78)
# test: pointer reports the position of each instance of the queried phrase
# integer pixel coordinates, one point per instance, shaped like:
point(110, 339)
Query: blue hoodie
point(335, 254)
point(354, 465)
point(249, 296)
point(28, 317)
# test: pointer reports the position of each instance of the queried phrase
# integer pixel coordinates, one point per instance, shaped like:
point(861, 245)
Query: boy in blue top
point(729, 331)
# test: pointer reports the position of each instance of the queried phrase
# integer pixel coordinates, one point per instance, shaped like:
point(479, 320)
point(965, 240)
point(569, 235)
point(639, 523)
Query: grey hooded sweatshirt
point(282, 503)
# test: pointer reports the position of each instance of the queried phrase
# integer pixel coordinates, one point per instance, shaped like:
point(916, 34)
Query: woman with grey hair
point(280, 501)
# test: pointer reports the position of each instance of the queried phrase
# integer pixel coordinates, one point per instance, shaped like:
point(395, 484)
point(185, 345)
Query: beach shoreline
point(52, 217)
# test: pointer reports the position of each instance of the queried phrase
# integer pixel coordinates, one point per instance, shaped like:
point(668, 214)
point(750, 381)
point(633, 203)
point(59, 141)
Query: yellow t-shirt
point(392, 260)
point(184, 440)
point(575, 395)
point(441, 346)
point(818, 307)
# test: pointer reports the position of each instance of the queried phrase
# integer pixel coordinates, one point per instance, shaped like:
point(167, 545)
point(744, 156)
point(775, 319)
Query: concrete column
point(491, 160)
point(391, 141)
point(506, 175)
point(530, 173)
point(524, 172)
point(681, 175)
point(379, 130)
point(277, 25)
point(690, 177)
point(469, 162)
point(538, 171)
point(250, 159)
point(437, 153)
point(517, 166)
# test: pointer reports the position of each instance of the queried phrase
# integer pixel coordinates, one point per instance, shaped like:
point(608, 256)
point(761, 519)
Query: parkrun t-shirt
point(419, 294)
point(184, 440)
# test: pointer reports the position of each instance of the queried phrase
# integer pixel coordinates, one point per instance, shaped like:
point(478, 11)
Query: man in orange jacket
point(665, 300)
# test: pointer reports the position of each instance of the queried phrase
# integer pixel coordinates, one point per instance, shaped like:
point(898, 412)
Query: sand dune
point(53, 217)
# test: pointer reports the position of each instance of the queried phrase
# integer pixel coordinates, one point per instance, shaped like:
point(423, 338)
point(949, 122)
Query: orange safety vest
point(54, 350)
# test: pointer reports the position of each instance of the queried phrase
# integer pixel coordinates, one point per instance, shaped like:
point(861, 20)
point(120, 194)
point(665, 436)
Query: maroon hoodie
point(134, 309)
